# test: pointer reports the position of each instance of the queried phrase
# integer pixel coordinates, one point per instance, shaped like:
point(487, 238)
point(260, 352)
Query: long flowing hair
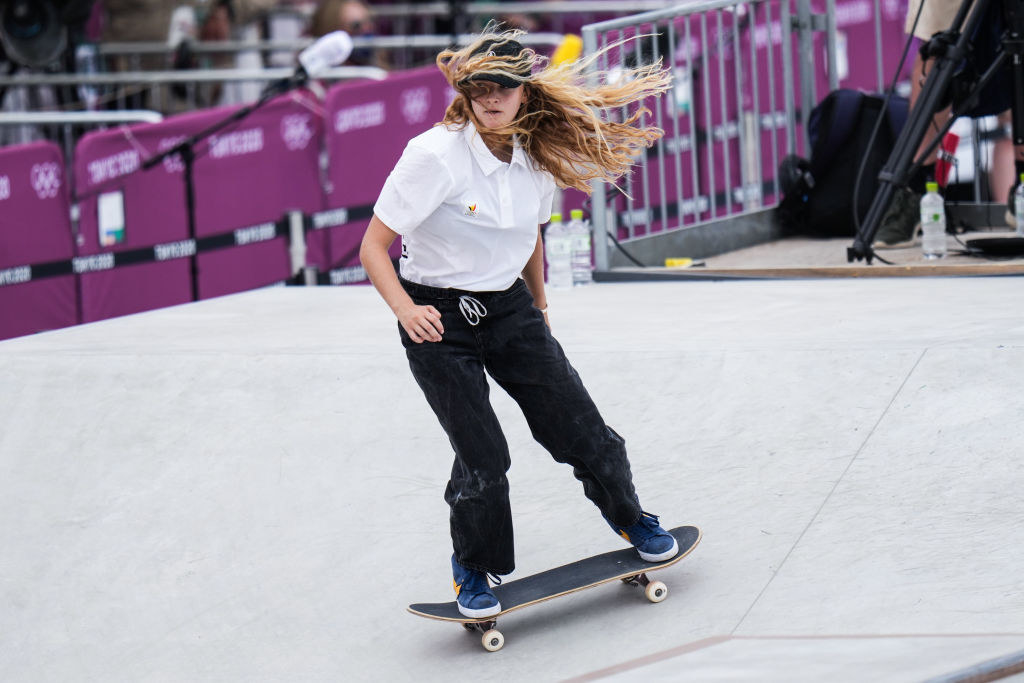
point(567, 125)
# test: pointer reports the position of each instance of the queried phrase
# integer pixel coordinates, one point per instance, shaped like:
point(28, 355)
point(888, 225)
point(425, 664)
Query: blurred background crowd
point(45, 43)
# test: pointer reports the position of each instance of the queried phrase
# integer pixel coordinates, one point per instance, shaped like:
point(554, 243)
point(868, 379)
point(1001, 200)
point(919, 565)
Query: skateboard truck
point(656, 591)
point(492, 639)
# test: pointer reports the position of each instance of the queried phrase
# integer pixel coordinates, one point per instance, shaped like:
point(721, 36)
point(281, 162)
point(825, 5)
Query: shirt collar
point(488, 162)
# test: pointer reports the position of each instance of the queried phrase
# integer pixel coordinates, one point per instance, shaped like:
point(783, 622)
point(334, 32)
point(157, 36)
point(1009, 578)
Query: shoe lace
point(653, 519)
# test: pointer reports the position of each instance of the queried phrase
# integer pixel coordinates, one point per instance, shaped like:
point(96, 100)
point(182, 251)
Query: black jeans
point(512, 343)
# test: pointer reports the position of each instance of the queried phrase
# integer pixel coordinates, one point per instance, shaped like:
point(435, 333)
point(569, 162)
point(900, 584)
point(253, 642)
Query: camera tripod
point(951, 50)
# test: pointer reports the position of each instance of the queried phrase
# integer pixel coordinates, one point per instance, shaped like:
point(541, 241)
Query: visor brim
point(501, 79)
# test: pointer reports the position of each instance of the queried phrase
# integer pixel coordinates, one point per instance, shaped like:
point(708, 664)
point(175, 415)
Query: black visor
point(508, 48)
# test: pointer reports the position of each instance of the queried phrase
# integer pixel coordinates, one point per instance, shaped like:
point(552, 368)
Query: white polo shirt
point(467, 219)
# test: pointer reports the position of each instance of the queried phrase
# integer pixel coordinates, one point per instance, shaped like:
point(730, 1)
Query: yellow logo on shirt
point(470, 211)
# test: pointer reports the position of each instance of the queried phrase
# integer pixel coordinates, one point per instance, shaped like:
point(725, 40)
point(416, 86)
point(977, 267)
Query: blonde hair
point(565, 125)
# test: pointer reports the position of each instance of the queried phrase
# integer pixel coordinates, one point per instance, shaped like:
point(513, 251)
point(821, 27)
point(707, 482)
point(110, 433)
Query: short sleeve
point(417, 185)
point(547, 198)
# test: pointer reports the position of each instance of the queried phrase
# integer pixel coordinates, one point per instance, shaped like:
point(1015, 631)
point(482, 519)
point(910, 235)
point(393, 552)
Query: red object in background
point(946, 158)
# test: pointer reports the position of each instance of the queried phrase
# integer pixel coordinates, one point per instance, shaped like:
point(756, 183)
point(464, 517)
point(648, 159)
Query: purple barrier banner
point(368, 124)
point(35, 230)
point(245, 178)
point(855, 43)
point(141, 209)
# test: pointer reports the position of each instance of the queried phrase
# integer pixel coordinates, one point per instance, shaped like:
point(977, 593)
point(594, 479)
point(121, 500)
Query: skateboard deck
point(618, 565)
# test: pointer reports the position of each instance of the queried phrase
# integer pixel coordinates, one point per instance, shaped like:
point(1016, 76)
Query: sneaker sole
point(668, 554)
point(479, 613)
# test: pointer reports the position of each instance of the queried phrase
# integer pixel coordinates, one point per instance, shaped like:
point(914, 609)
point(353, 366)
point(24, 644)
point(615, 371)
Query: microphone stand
point(186, 149)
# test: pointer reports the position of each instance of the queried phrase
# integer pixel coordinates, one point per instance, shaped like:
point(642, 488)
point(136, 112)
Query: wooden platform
point(801, 257)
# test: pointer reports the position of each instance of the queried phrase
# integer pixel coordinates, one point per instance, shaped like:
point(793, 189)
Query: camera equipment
point(34, 33)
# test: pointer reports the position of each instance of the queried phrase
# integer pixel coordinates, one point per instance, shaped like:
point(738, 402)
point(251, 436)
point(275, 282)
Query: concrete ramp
point(249, 489)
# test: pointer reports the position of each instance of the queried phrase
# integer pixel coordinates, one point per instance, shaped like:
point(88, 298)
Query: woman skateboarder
point(468, 198)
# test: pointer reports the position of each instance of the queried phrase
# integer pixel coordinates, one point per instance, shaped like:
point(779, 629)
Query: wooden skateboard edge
point(654, 567)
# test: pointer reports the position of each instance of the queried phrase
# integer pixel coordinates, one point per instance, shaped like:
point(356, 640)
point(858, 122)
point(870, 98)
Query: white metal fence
point(165, 91)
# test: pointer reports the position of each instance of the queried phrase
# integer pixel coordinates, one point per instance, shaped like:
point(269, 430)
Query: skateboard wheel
point(469, 627)
point(493, 640)
point(656, 591)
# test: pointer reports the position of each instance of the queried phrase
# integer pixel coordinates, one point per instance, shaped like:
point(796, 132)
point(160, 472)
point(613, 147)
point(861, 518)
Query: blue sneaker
point(473, 592)
point(652, 542)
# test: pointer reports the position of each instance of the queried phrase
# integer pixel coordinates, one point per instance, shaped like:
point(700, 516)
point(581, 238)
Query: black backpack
point(819, 193)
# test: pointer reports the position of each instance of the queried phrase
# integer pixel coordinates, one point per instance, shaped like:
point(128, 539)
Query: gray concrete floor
point(249, 489)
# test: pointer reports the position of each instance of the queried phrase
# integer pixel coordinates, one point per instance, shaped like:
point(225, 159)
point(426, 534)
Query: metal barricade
point(746, 75)
point(167, 91)
point(560, 16)
point(65, 128)
point(135, 53)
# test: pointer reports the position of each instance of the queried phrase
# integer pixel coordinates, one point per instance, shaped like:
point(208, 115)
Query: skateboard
point(619, 565)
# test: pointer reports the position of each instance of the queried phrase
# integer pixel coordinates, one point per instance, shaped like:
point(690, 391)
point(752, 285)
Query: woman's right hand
point(421, 323)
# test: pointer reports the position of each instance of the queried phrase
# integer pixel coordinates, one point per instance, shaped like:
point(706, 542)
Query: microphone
point(327, 51)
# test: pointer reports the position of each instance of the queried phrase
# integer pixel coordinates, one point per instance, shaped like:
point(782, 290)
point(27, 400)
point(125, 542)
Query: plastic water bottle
point(933, 223)
point(579, 231)
point(558, 249)
point(1018, 206)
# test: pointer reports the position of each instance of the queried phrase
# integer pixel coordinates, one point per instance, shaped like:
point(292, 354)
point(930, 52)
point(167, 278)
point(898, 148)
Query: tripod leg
point(1013, 43)
point(900, 165)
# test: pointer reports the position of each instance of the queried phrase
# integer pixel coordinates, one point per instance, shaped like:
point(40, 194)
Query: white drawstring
point(472, 310)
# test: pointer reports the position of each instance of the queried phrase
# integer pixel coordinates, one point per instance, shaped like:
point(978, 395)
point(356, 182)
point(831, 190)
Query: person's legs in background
point(1007, 165)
